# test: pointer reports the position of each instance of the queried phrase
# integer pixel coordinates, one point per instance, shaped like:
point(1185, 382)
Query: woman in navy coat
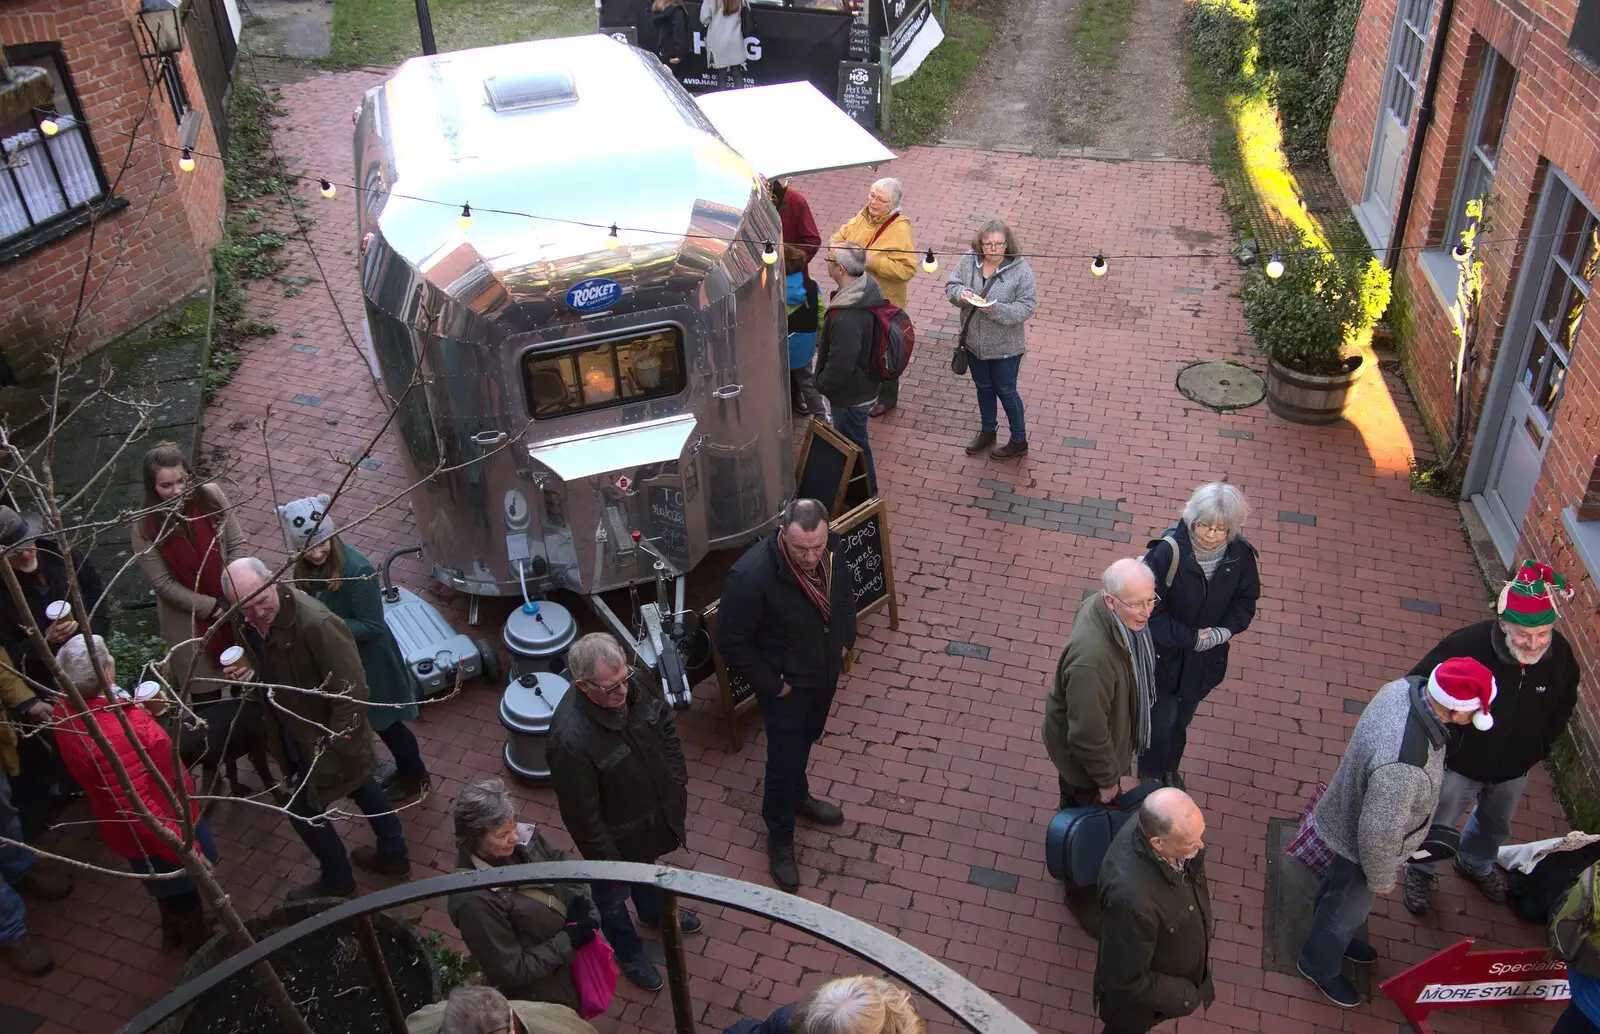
point(1207, 585)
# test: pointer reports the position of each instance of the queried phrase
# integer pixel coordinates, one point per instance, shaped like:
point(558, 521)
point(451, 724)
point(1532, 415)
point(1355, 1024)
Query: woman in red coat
point(183, 921)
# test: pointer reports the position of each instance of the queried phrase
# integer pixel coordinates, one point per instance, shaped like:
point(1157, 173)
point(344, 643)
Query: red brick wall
point(1554, 119)
point(146, 256)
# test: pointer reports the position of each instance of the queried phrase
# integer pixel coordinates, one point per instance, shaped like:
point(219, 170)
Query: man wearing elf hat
point(1376, 809)
point(1487, 766)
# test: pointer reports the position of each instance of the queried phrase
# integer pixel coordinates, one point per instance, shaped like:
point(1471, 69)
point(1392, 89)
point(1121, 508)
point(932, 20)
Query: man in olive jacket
point(1155, 940)
point(1097, 711)
point(622, 786)
point(320, 737)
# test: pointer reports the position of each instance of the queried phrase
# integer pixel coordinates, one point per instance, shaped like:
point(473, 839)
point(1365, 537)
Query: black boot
point(785, 873)
point(171, 925)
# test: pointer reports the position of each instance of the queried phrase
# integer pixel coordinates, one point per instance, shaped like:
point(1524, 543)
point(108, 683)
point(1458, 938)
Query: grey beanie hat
point(306, 521)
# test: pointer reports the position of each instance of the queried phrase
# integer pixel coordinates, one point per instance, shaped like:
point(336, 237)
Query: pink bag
point(1307, 845)
point(594, 970)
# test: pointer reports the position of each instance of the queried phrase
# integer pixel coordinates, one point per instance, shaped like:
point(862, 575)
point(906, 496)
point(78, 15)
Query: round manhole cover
point(1220, 384)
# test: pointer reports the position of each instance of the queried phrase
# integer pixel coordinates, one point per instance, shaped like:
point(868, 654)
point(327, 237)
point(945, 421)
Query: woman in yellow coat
point(885, 232)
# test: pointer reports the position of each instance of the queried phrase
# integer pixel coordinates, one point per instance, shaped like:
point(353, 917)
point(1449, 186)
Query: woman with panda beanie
point(342, 579)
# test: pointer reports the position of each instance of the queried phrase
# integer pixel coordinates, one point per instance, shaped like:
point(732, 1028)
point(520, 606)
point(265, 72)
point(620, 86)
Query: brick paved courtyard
point(934, 746)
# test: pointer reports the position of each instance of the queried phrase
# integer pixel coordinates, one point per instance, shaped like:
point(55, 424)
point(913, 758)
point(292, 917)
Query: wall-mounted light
point(163, 25)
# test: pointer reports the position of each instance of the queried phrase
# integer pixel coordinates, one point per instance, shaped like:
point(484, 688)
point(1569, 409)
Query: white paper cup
point(57, 610)
point(146, 690)
point(232, 655)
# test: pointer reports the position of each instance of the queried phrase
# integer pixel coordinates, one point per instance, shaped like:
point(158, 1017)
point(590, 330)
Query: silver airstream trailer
point(564, 265)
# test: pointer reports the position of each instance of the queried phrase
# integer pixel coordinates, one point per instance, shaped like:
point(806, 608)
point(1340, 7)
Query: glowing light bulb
point(465, 218)
point(49, 127)
point(328, 189)
point(1275, 266)
point(612, 238)
point(1098, 267)
point(929, 263)
point(186, 160)
point(768, 254)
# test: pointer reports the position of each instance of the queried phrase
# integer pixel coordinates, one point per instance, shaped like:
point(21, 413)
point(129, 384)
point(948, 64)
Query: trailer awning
point(760, 123)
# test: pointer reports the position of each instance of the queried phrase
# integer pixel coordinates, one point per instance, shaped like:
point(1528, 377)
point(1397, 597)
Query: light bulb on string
point(465, 218)
point(929, 263)
point(186, 160)
point(1461, 253)
point(49, 126)
point(1275, 266)
point(768, 254)
point(328, 189)
point(1098, 267)
point(613, 239)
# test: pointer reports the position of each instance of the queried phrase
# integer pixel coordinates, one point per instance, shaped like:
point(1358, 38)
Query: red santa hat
point(1463, 684)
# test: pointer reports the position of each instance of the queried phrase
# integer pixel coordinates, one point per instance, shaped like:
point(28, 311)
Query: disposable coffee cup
point(58, 610)
point(232, 655)
point(146, 690)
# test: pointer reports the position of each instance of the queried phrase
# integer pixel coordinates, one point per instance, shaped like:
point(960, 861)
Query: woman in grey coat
point(993, 287)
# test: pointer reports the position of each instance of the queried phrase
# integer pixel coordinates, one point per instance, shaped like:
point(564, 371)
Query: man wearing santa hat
point(1378, 807)
point(1488, 768)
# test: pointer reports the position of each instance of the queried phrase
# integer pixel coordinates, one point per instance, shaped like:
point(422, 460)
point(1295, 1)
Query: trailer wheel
point(491, 669)
point(671, 669)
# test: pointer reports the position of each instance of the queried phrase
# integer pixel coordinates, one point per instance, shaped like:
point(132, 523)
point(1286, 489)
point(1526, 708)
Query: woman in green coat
point(342, 579)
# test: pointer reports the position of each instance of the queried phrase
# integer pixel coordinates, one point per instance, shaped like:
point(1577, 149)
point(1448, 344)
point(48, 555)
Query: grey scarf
point(1141, 648)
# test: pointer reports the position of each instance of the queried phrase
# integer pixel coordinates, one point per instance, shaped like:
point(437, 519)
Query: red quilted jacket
point(120, 826)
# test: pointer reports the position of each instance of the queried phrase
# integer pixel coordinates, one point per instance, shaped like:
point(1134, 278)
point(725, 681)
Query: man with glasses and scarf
point(786, 622)
point(1097, 713)
point(620, 781)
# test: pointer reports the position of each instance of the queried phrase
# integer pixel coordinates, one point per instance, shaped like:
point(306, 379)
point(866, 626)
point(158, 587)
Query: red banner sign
point(1459, 978)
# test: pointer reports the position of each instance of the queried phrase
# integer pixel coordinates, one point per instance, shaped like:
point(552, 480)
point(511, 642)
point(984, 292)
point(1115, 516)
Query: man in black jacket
point(844, 346)
point(1155, 934)
point(786, 622)
point(1536, 676)
point(621, 784)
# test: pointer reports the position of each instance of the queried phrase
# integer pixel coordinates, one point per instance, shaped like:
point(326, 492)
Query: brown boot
point(194, 930)
point(27, 956)
point(45, 884)
point(171, 925)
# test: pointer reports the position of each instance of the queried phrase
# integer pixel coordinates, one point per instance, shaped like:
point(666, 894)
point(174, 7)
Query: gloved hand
point(1208, 638)
point(580, 934)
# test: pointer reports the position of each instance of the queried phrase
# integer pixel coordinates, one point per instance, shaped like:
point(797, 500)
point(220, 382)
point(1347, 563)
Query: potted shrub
point(1307, 321)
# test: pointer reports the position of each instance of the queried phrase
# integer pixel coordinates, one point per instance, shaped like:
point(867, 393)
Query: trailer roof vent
point(537, 89)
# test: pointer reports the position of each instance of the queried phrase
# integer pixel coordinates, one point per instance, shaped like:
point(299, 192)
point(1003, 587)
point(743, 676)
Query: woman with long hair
point(725, 31)
point(341, 578)
point(184, 539)
point(674, 37)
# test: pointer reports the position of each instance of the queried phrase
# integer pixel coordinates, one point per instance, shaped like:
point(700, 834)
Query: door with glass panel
point(1401, 83)
point(1547, 316)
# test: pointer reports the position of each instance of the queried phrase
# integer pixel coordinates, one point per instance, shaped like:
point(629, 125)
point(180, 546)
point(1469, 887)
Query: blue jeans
point(611, 901)
point(1490, 824)
point(323, 839)
point(15, 863)
point(160, 889)
point(1343, 903)
point(852, 423)
point(997, 379)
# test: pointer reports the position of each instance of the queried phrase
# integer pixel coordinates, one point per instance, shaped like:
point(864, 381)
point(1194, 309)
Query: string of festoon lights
point(1099, 264)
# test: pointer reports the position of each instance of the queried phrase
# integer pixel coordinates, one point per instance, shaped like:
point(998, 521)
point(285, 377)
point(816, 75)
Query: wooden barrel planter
point(1312, 398)
point(325, 971)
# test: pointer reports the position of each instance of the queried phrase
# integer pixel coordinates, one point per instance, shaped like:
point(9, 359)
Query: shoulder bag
point(958, 358)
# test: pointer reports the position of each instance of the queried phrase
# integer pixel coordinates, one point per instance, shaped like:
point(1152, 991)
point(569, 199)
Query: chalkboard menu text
point(864, 558)
point(858, 92)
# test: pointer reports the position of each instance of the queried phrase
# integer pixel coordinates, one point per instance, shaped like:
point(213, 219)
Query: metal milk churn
point(525, 710)
point(538, 634)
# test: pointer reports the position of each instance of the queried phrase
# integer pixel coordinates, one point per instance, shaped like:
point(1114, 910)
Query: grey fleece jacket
point(1381, 800)
point(995, 332)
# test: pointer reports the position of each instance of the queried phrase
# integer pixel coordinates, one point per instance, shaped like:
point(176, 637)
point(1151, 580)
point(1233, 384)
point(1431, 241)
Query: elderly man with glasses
point(1098, 710)
point(620, 781)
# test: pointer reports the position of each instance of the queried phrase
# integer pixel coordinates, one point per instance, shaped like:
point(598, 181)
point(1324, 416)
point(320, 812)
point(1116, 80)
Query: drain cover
point(1221, 384)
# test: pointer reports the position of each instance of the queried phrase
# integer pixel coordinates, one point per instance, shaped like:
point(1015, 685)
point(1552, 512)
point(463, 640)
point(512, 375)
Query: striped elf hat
point(1529, 599)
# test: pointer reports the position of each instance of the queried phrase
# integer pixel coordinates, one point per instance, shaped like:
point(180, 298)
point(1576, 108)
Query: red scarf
point(195, 560)
point(815, 583)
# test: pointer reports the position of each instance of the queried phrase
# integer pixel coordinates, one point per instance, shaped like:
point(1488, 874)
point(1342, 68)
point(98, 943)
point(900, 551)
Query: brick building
point(1515, 105)
point(107, 186)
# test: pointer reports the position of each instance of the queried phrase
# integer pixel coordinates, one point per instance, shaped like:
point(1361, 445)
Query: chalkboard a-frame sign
point(864, 559)
point(826, 464)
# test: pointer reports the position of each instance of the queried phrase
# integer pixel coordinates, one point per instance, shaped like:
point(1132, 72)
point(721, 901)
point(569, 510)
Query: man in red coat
point(799, 228)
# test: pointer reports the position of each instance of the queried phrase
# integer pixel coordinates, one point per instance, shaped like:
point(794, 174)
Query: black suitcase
point(1077, 840)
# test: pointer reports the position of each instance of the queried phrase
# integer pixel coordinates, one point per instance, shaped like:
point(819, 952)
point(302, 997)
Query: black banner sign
point(858, 92)
point(786, 44)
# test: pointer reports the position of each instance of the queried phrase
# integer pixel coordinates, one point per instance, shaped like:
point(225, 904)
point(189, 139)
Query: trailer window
point(605, 374)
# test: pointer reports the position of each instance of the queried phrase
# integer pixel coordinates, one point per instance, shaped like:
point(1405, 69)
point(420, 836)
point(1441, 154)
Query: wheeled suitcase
point(1077, 840)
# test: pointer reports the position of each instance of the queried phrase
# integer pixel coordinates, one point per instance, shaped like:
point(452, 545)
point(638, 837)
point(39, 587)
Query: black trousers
point(793, 724)
point(407, 753)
